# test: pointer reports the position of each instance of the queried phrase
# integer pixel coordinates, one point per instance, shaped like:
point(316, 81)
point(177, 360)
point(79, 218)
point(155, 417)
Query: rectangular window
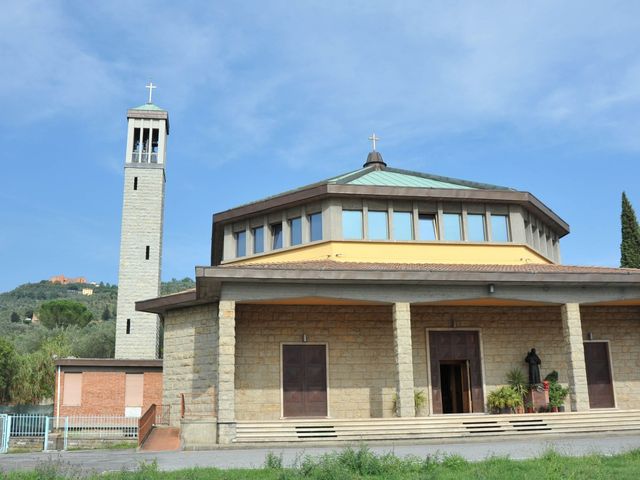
point(452, 226)
point(276, 236)
point(352, 224)
point(402, 226)
point(241, 243)
point(499, 228)
point(128, 326)
point(475, 228)
point(295, 231)
point(315, 226)
point(147, 252)
point(377, 225)
point(135, 183)
point(72, 393)
point(133, 388)
point(427, 227)
point(258, 240)
point(154, 145)
point(145, 145)
point(135, 154)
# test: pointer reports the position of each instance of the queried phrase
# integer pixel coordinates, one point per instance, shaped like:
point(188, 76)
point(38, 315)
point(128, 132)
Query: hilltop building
point(61, 279)
point(327, 308)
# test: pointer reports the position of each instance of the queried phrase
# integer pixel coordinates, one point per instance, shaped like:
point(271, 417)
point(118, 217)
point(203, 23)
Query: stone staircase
point(441, 426)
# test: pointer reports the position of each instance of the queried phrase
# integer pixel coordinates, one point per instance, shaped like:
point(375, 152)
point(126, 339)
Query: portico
point(376, 330)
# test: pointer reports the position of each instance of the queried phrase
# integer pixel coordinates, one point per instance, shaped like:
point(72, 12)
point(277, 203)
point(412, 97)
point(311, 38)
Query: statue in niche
point(533, 360)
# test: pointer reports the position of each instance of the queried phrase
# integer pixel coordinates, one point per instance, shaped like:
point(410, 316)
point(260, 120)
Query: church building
point(380, 303)
point(386, 303)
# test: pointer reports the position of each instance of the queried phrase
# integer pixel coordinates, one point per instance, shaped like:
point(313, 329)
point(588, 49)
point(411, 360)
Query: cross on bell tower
point(151, 86)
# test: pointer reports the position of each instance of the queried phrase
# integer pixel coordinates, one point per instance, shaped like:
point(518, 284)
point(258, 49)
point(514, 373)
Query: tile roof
point(433, 267)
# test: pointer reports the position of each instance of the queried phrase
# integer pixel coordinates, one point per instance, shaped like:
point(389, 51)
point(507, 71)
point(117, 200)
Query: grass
point(361, 463)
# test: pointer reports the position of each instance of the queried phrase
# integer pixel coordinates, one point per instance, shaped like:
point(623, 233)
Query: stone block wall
point(506, 335)
point(361, 373)
point(621, 326)
point(139, 277)
point(360, 355)
point(190, 360)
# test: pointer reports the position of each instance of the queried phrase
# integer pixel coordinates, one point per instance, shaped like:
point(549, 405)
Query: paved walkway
point(162, 439)
point(116, 460)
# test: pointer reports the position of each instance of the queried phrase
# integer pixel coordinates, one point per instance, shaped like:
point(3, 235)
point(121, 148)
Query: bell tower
point(137, 333)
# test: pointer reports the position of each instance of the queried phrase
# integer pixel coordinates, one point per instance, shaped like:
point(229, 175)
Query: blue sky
point(266, 96)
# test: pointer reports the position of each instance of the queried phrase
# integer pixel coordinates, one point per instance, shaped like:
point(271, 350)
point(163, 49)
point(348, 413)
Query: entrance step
point(440, 426)
point(162, 439)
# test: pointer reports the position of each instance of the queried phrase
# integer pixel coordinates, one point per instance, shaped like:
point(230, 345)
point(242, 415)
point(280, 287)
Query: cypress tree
point(630, 246)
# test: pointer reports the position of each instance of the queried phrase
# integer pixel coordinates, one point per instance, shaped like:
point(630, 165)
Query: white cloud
point(44, 71)
point(305, 76)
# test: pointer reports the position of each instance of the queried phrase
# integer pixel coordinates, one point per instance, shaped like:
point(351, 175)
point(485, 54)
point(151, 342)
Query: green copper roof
point(149, 106)
point(378, 176)
point(394, 177)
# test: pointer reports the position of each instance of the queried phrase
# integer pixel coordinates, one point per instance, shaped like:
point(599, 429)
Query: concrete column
point(226, 370)
point(404, 359)
point(573, 341)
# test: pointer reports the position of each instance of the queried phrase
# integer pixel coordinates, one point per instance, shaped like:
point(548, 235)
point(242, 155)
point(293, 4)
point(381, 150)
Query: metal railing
point(71, 427)
point(5, 426)
point(28, 425)
point(144, 157)
point(98, 426)
point(146, 423)
point(163, 414)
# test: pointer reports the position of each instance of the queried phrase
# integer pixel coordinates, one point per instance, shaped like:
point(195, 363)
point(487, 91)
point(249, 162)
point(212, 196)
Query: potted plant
point(518, 382)
point(529, 407)
point(557, 396)
point(495, 401)
point(515, 401)
point(504, 400)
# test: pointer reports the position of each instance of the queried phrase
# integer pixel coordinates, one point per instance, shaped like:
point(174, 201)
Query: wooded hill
point(70, 324)
point(27, 298)
point(19, 305)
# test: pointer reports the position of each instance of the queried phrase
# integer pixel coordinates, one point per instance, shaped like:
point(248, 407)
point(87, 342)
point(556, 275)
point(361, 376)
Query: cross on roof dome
point(373, 139)
point(374, 159)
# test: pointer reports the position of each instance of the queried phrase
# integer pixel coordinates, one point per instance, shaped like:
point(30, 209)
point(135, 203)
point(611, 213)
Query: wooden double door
point(304, 380)
point(456, 371)
point(599, 378)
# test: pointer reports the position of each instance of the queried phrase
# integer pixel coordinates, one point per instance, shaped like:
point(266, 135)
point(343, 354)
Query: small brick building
point(111, 387)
